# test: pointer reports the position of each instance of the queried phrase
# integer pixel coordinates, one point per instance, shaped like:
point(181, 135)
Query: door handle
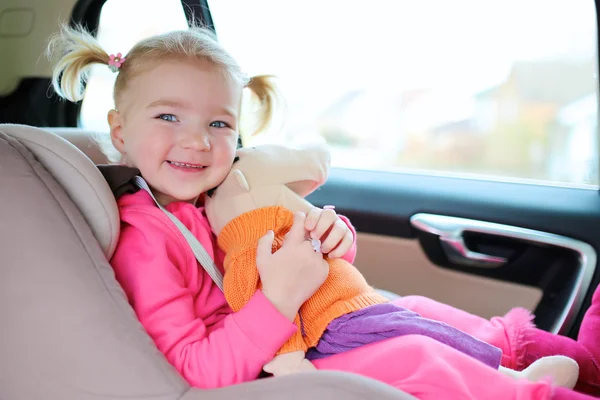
point(453, 228)
point(450, 231)
point(457, 252)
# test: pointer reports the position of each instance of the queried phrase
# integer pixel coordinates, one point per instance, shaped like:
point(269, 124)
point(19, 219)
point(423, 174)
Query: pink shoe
point(535, 343)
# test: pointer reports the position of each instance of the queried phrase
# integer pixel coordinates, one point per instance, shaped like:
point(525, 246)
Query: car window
point(494, 89)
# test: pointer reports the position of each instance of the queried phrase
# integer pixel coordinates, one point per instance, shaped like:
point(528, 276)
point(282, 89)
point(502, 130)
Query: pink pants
point(428, 369)
point(521, 343)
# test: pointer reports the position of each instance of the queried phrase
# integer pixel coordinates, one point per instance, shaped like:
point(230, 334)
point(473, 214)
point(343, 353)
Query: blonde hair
point(78, 50)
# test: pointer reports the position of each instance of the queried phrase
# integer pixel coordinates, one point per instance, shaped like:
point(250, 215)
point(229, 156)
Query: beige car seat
point(68, 332)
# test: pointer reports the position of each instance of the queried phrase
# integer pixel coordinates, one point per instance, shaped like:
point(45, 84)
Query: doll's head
point(264, 176)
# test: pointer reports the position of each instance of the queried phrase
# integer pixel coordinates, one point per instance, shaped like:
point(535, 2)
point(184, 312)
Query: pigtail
point(77, 50)
point(266, 92)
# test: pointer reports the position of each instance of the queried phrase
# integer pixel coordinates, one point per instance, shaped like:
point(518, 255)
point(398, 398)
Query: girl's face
point(178, 124)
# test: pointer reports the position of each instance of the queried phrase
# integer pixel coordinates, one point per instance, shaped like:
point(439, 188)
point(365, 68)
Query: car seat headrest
point(79, 177)
point(82, 139)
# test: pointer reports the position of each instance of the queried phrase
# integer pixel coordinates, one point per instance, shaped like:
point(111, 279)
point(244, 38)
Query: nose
point(195, 140)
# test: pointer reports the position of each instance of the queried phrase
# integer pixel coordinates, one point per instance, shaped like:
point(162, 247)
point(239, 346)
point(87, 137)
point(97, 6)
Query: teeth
point(178, 164)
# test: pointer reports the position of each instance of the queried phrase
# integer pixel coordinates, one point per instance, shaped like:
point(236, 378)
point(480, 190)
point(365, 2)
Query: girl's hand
point(294, 272)
point(325, 225)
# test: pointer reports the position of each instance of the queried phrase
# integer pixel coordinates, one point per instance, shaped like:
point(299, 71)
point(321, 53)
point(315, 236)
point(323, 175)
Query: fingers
point(334, 236)
point(297, 232)
point(343, 247)
point(264, 248)
point(312, 217)
point(326, 220)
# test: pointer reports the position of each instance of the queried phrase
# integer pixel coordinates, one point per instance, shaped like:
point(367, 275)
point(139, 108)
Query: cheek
point(224, 148)
point(152, 144)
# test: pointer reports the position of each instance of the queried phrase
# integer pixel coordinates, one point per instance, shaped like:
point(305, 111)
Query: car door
point(465, 153)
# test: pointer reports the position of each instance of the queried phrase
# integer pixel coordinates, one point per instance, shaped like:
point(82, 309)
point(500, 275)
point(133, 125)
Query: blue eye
point(219, 124)
point(168, 117)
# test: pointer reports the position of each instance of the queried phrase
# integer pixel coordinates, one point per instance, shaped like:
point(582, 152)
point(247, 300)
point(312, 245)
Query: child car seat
point(68, 332)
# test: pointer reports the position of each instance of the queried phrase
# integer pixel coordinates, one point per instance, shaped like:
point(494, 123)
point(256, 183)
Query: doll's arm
point(241, 279)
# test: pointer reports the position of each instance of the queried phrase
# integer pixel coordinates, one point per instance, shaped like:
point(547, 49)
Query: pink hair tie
point(115, 62)
point(329, 207)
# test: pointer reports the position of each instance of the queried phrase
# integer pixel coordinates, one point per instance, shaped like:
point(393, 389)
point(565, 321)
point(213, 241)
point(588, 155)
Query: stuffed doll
point(264, 187)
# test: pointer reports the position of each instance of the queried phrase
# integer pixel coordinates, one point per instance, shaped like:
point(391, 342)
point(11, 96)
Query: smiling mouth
point(186, 165)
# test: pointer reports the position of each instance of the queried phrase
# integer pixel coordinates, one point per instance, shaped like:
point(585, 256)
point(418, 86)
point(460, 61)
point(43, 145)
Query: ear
point(312, 169)
point(115, 121)
point(304, 188)
point(241, 179)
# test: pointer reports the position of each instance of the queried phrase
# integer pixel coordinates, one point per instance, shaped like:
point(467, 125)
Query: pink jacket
point(181, 308)
point(190, 322)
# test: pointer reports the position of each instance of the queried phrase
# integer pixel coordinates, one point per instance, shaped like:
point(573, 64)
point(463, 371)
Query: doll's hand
point(289, 363)
point(335, 235)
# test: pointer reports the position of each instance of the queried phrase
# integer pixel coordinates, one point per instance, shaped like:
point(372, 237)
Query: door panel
point(562, 267)
point(553, 276)
point(400, 265)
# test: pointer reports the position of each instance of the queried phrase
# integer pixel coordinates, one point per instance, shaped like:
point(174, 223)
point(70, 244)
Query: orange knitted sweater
point(345, 290)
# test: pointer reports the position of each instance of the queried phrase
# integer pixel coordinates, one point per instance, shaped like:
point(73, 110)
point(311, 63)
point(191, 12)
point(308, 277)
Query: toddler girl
point(175, 122)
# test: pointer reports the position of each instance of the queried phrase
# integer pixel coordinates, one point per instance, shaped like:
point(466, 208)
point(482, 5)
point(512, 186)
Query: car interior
point(484, 245)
